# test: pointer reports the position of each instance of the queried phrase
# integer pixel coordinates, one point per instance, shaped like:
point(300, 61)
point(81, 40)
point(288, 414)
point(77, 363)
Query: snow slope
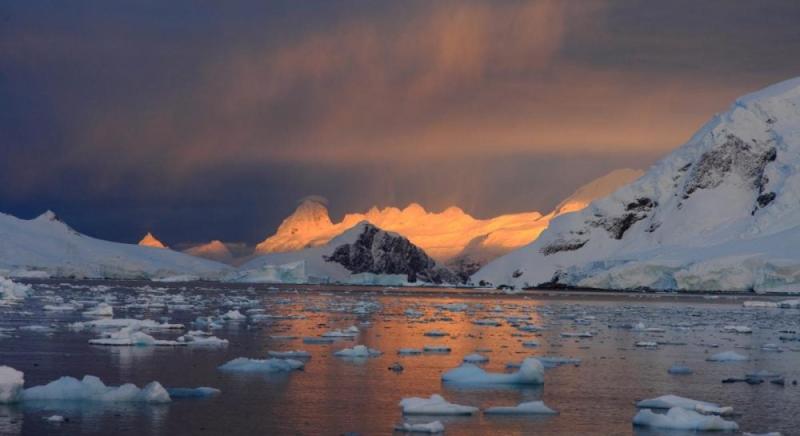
point(722, 212)
point(363, 254)
point(448, 235)
point(47, 244)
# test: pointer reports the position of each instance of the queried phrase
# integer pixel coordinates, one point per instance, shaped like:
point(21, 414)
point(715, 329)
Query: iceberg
point(672, 401)
point(530, 372)
point(681, 419)
point(11, 382)
point(435, 405)
point(243, 364)
point(91, 388)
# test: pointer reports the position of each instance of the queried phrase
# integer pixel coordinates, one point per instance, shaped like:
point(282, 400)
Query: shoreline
point(471, 292)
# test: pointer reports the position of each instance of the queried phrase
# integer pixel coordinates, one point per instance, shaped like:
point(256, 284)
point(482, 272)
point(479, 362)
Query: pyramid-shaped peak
point(151, 241)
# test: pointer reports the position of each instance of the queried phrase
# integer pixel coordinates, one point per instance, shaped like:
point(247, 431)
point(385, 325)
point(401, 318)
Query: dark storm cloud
point(204, 120)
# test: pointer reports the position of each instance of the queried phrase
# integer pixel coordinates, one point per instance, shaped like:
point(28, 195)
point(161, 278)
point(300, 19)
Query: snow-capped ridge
point(719, 196)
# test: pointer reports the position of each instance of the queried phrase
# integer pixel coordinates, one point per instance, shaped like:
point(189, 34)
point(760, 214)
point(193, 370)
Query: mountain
point(47, 245)
point(150, 241)
point(722, 212)
point(364, 254)
point(449, 236)
point(214, 250)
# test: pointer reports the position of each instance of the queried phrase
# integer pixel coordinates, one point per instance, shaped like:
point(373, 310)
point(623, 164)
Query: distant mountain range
point(722, 212)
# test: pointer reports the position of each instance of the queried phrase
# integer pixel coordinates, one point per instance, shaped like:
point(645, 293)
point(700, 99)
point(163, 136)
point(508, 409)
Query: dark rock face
point(464, 267)
point(563, 245)
point(734, 156)
point(379, 252)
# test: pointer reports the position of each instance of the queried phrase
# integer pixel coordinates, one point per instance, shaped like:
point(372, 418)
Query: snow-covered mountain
point(214, 250)
point(450, 235)
point(363, 254)
point(151, 241)
point(47, 246)
point(722, 212)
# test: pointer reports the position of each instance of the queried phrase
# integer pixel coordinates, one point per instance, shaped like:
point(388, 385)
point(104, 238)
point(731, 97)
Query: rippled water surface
point(334, 396)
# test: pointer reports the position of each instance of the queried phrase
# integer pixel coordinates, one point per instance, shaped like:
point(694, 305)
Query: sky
point(202, 120)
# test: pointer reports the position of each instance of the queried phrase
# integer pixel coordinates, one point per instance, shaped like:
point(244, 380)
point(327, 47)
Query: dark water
point(335, 396)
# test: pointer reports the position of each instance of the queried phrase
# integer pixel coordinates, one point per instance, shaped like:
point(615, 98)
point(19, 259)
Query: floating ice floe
point(647, 344)
point(358, 351)
point(11, 291)
point(349, 332)
point(487, 322)
point(430, 427)
point(728, 356)
point(436, 349)
point(201, 392)
point(90, 388)
point(119, 323)
point(576, 334)
point(128, 337)
point(243, 364)
point(200, 338)
point(475, 358)
point(680, 370)
point(737, 329)
point(530, 344)
point(527, 408)
point(102, 309)
point(409, 351)
point(436, 333)
point(234, 315)
point(550, 361)
point(435, 405)
point(293, 354)
point(672, 401)
point(530, 372)
point(681, 419)
point(55, 419)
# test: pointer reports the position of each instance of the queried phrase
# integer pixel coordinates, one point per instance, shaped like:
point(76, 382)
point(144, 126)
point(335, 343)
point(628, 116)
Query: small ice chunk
point(680, 370)
point(55, 419)
point(243, 364)
point(430, 427)
point(359, 351)
point(737, 329)
point(646, 344)
point(530, 372)
point(102, 309)
point(408, 351)
point(11, 382)
point(681, 419)
point(528, 408)
point(199, 338)
point(475, 358)
point(293, 354)
point(234, 315)
point(728, 356)
point(436, 333)
point(435, 405)
point(436, 349)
